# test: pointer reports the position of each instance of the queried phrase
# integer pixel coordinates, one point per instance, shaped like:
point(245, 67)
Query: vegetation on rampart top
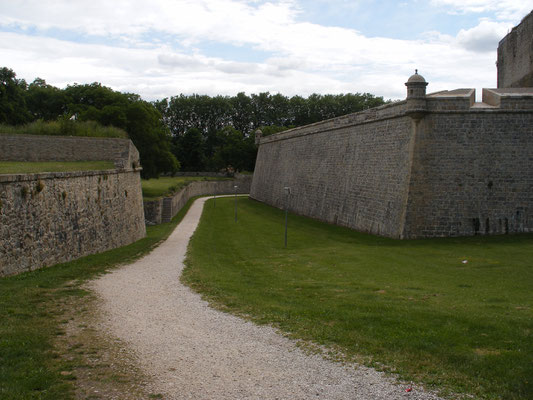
point(452, 313)
point(204, 133)
point(64, 127)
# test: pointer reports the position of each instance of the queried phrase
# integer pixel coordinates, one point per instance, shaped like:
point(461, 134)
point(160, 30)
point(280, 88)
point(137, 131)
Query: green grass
point(411, 307)
point(154, 189)
point(32, 306)
point(16, 167)
point(64, 127)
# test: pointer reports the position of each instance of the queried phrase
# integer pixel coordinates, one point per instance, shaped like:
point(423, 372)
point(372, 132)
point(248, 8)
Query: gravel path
point(191, 351)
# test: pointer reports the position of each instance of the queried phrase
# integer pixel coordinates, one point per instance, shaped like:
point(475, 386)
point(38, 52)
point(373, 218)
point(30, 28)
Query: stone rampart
point(163, 210)
point(472, 174)
point(56, 217)
point(68, 148)
point(351, 171)
point(515, 56)
point(451, 167)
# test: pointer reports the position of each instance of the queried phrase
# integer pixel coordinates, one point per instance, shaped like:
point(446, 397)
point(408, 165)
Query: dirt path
point(191, 351)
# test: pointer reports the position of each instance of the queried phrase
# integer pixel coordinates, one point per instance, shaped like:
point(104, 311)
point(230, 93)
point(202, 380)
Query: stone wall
point(351, 171)
point(472, 174)
point(515, 56)
point(56, 217)
point(163, 210)
point(455, 168)
point(68, 148)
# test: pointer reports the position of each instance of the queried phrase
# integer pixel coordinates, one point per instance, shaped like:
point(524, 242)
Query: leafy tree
point(236, 150)
point(140, 119)
point(242, 113)
point(13, 109)
point(151, 138)
point(189, 149)
point(45, 101)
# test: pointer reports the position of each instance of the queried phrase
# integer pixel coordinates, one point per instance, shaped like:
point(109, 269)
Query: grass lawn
point(33, 307)
point(16, 167)
point(455, 313)
point(154, 189)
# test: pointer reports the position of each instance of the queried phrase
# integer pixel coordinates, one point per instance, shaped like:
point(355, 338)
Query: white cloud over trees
point(158, 48)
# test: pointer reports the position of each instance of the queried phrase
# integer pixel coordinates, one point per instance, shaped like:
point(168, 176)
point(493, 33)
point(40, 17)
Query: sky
point(163, 48)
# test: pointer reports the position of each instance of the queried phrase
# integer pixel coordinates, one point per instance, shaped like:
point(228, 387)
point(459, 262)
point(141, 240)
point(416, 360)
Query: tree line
point(194, 132)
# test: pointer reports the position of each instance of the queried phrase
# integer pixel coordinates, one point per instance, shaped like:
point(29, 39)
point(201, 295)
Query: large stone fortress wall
point(351, 171)
point(515, 56)
point(56, 217)
point(430, 166)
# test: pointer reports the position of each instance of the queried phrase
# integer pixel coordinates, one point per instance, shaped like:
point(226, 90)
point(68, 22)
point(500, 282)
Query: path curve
point(191, 351)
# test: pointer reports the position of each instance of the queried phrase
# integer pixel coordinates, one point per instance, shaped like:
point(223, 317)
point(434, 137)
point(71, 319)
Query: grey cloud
point(482, 38)
point(236, 67)
point(179, 60)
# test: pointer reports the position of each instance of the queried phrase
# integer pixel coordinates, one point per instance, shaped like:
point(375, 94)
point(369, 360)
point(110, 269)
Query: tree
point(45, 101)
point(189, 149)
point(242, 117)
point(235, 150)
point(140, 119)
point(13, 109)
point(151, 138)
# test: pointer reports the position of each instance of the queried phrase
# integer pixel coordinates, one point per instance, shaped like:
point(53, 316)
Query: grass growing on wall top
point(32, 310)
point(154, 189)
point(455, 313)
point(18, 167)
point(64, 127)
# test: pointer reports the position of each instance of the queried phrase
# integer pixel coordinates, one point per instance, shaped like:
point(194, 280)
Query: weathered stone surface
point(515, 56)
point(50, 218)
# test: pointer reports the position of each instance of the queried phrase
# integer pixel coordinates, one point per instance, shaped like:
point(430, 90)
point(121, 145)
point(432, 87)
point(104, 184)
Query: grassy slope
point(16, 167)
point(163, 186)
point(31, 311)
point(413, 306)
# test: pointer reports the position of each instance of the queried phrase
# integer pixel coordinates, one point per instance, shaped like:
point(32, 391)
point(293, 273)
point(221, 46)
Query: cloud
point(483, 37)
point(507, 10)
point(155, 49)
point(181, 61)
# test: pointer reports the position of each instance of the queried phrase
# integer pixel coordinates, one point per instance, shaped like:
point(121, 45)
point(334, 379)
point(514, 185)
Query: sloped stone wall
point(51, 218)
point(351, 171)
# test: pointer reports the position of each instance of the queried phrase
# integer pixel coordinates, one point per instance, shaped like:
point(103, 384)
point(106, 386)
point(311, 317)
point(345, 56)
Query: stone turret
point(416, 96)
point(258, 134)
